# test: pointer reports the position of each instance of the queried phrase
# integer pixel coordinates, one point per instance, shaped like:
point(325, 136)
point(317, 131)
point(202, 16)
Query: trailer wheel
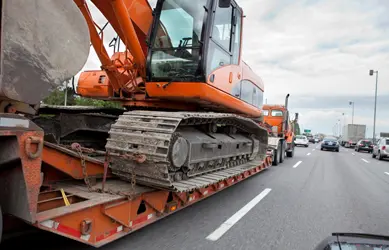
point(282, 155)
point(276, 156)
point(290, 153)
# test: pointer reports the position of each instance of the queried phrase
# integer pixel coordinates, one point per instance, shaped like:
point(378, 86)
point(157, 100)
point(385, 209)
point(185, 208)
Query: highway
point(292, 206)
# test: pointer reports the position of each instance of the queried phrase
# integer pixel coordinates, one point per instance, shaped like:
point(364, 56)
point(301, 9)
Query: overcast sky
point(320, 52)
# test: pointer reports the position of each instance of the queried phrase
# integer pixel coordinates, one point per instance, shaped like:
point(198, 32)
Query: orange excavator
point(193, 104)
point(192, 124)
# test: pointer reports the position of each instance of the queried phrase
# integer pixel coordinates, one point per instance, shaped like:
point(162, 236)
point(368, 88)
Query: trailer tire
point(282, 155)
point(290, 153)
point(276, 156)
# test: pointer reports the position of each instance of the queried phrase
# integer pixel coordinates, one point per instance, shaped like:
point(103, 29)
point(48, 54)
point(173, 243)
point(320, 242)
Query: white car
point(301, 140)
point(381, 149)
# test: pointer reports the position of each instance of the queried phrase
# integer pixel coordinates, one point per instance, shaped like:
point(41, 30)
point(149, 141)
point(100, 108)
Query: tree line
point(57, 97)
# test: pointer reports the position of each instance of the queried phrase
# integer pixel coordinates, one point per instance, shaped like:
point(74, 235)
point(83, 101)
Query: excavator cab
point(200, 37)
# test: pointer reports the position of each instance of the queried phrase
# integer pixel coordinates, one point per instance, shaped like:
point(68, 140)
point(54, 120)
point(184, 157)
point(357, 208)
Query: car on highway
point(317, 140)
point(354, 241)
point(364, 145)
point(301, 140)
point(381, 149)
point(311, 139)
point(330, 143)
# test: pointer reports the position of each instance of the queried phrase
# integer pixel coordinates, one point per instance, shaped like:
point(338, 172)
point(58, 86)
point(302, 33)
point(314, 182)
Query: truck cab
point(276, 117)
point(280, 129)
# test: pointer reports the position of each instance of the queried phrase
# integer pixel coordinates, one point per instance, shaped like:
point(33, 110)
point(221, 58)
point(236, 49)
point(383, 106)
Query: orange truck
point(281, 131)
point(189, 127)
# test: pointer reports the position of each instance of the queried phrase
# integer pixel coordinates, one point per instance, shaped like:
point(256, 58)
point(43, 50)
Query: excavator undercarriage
point(177, 151)
point(182, 150)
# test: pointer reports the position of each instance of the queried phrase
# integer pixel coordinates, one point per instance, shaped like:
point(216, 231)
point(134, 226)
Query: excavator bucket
point(43, 44)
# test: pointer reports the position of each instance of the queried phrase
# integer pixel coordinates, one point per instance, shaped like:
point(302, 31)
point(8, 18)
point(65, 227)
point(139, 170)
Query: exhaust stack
point(286, 114)
point(287, 101)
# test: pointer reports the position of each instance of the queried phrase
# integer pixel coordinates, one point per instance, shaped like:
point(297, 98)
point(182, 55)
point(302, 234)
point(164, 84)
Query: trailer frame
point(76, 196)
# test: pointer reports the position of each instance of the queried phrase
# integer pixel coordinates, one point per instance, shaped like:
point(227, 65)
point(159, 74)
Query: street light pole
point(371, 72)
point(340, 125)
point(352, 116)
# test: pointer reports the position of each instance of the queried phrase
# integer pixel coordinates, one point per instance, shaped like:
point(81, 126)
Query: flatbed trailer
point(71, 192)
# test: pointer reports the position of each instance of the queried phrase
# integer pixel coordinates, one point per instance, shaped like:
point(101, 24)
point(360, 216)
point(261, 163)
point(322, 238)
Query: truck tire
point(282, 155)
point(276, 156)
point(290, 153)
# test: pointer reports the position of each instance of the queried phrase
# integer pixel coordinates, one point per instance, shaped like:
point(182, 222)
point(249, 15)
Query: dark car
point(330, 143)
point(311, 139)
point(364, 145)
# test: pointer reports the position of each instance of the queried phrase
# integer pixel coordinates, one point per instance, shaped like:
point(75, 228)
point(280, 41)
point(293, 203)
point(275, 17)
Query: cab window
point(265, 112)
point(222, 28)
point(219, 51)
point(237, 31)
point(247, 91)
point(225, 42)
point(276, 113)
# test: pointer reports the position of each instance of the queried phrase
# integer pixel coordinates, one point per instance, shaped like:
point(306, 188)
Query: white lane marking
point(298, 163)
point(309, 154)
point(364, 160)
point(313, 149)
point(215, 235)
point(353, 153)
point(346, 150)
point(387, 173)
point(317, 147)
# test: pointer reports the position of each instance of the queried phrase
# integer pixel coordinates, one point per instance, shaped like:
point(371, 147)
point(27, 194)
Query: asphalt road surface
point(292, 206)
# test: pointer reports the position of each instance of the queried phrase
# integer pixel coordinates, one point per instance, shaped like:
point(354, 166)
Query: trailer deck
point(105, 211)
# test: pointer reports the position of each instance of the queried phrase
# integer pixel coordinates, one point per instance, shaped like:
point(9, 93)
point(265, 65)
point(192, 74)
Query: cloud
point(318, 51)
